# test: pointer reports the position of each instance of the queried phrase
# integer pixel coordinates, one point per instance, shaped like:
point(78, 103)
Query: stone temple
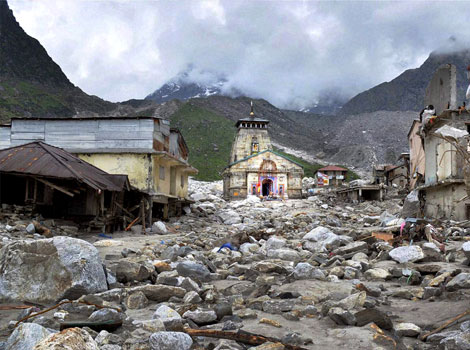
point(255, 168)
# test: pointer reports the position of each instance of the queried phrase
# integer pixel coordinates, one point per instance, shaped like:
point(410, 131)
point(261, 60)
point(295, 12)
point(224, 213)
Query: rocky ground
point(307, 273)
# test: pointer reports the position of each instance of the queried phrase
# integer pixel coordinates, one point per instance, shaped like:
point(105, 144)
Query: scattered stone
point(137, 300)
point(70, 339)
point(194, 270)
point(170, 341)
point(26, 336)
point(406, 254)
point(201, 317)
point(407, 329)
point(341, 316)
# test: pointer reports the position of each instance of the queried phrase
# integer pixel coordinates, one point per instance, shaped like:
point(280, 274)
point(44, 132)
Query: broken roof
point(40, 159)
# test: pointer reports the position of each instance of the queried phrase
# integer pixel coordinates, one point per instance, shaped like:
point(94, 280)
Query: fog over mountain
point(289, 53)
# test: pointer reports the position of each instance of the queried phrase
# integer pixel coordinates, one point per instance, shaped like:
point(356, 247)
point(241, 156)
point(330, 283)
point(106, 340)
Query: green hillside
point(209, 137)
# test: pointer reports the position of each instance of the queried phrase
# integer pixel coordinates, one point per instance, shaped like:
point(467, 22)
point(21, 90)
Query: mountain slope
point(31, 83)
point(406, 92)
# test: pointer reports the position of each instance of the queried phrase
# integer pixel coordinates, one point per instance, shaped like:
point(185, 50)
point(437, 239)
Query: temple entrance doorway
point(267, 187)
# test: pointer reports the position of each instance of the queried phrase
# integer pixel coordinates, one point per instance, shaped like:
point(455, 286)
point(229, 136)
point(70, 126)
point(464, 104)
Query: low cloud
point(288, 52)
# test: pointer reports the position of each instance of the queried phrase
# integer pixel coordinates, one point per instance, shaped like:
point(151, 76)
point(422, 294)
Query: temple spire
point(252, 113)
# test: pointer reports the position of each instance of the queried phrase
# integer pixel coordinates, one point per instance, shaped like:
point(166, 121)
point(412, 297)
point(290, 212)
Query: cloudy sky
point(288, 52)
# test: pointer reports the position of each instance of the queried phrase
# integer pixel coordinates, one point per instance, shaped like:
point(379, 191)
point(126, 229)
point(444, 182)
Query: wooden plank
point(58, 188)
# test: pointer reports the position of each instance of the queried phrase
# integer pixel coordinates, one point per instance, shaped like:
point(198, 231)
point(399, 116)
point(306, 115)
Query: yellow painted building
point(152, 155)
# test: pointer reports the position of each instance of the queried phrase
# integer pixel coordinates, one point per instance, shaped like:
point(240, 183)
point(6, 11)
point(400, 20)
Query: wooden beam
point(58, 188)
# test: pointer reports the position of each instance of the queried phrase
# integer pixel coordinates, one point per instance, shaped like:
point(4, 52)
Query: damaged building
point(442, 175)
point(58, 184)
point(152, 155)
point(255, 168)
point(331, 175)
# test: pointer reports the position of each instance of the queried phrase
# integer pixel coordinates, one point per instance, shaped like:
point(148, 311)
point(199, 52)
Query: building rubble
point(298, 274)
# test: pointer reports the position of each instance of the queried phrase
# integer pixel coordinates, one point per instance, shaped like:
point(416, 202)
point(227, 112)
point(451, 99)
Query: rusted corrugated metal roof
point(40, 159)
point(332, 168)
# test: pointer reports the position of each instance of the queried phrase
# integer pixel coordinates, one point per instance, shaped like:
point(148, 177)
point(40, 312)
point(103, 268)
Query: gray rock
point(128, 271)
point(70, 339)
point(461, 281)
point(277, 306)
point(406, 254)
point(194, 270)
point(47, 270)
point(379, 317)
point(159, 292)
point(304, 271)
point(26, 336)
point(200, 316)
point(351, 248)
point(192, 298)
point(170, 341)
point(105, 315)
point(341, 317)
point(137, 300)
point(275, 243)
point(229, 217)
point(170, 318)
point(283, 254)
point(459, 341)
point(407, 329)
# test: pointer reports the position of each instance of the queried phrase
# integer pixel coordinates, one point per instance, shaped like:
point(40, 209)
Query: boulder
point(341, 317)
point(229, 217)
point(305, 271)
point(47, 270)
point(405, 329)
point(170, 318)
point(283, 254)
point(70, 339)
point(200, 316)
point(159, 292)
point(106, 315)
point(377, 274)
point(128, 271)
point(275, 243)
point(461, 281)
point(407, 254)
point(170, 341)
point(137, 300)
point(194, 270)
point(26, 336)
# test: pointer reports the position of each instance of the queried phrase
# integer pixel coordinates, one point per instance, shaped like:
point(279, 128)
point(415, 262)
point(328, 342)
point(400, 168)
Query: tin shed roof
point(40, 159)
point(332, 168)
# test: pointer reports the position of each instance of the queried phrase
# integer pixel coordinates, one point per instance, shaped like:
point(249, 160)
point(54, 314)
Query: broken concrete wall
point(443, 201)
point(442, 89)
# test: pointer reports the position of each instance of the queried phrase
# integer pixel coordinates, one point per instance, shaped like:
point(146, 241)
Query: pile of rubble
point(296, 274)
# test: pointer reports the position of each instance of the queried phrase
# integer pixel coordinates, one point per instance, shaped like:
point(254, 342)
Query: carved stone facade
point(255, 169)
